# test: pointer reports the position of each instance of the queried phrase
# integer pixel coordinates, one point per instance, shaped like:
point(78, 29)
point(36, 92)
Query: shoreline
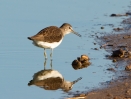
point(120, 87)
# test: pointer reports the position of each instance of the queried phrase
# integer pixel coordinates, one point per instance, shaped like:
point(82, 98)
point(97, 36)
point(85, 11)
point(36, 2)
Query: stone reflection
point(81, 62)
point(49, 79)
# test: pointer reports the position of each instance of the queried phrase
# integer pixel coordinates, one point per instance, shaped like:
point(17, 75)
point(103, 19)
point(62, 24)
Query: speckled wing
point(49, 34)
point(52, 83)
point(49, 83)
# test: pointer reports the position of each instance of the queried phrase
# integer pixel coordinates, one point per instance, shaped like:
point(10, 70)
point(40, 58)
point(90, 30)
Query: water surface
point(19, 59)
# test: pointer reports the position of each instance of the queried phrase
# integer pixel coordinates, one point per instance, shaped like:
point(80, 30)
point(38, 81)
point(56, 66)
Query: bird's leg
point(51, 58)
point(45, 58)
point(44, 64)
point(45, 54)
point(51, 64)
point(51, 54)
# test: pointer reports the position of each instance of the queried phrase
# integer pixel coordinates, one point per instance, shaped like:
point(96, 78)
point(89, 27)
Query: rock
point(85, 64)
point(81, 62)
point(127, 36)
point(128, 13)
point(128, 92)
point(84, 57)
point(118, 53)
point(76, 64)
point(95, 48)
point(128, 68)
point(117, 15)
point(115, 97)
point(113, 15)
point(118, 29)
point(102, 27)
point(111, 69)
point(114, 60)
point(94, 43)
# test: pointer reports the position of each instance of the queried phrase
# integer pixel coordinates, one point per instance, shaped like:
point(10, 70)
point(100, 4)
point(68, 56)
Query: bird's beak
point(76, 33)
point(76, 80)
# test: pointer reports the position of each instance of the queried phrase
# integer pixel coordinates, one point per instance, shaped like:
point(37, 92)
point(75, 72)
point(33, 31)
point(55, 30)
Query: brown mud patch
point(115, 89)
point(120, 87)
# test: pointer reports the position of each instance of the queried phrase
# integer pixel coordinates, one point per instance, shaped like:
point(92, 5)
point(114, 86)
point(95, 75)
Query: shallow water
point(19, 59)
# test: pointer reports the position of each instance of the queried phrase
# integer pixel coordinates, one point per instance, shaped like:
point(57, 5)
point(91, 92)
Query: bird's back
point(49, 34)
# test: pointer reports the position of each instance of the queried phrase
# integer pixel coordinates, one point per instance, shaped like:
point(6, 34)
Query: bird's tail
point(30, 83)
point(29, 38)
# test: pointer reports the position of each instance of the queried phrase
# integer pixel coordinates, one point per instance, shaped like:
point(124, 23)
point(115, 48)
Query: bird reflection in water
point(45, 64)
point(49, 79)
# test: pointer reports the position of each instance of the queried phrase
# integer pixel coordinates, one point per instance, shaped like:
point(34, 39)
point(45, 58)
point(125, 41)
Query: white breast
point(52, 74)
point(46, 44)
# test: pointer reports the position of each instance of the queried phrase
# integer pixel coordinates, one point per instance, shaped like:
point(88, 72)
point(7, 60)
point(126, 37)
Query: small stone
point(128, 68)
point(126, 84)
point(76, 64)
point(109, 94)
point(102, 27)
point(81, 95)
point(95, 48)
point(115, 97)
point(113, 15)
point(118, 53)
point(111, 69)
point(81, 62)
point(97, 36)
point(117, 29)
point(127, 36)
point(84, 57)
point(128, 92)
point(94, 43)
point(114, 60)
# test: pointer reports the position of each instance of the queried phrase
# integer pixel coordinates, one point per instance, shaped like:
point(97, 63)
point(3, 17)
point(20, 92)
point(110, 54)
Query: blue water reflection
point(19, 59)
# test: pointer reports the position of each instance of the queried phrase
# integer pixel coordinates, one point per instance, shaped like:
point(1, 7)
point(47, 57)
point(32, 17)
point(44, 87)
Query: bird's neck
point(64, 32)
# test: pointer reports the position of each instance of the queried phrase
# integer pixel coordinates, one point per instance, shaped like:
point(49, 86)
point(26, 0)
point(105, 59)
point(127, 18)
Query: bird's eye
point(69, 27)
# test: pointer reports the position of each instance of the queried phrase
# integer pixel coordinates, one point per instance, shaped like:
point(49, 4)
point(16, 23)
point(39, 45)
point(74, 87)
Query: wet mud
point(118, 46)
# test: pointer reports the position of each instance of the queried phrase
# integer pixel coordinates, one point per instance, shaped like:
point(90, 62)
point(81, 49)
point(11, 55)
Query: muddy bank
point(118, 89)
point(118, 44)
point(115, 89)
